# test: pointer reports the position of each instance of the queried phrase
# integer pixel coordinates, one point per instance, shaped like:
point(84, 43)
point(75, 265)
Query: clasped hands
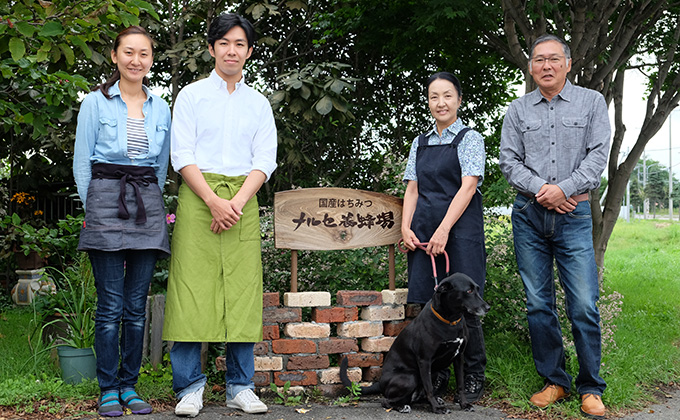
point(552, 198)
point(225, 214)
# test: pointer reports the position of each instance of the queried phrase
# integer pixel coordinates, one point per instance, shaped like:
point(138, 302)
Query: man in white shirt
point(224, 146)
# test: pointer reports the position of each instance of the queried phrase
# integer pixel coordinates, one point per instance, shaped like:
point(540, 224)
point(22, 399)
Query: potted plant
point(69, 322)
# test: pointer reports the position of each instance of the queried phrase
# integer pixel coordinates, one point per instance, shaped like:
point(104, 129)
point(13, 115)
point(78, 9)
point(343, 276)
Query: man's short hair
point(549, 37)
point(224, 23)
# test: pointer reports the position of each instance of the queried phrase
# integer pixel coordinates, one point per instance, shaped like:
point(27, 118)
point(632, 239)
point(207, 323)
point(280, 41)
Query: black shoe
point(474, 388)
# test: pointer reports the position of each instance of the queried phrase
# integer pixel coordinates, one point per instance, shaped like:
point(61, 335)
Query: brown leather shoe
point(548, 395)
point(591, 406)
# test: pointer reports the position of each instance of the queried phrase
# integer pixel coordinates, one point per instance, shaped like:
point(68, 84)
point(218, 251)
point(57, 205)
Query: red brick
point(296, 378)
point(359, 298)
point(336, 314)
point(287, 346)
point(364, 359)
point(271, 332)
point(393, 328)
point(270, 299)
point(371, 374)
point(262, 379)
point(338, 345)
point(261, 348)
point(312, 361)
point(413, 309)
point(281, 315)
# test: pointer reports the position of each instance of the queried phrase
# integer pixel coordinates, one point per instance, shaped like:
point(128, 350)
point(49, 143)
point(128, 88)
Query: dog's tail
point(365, 390)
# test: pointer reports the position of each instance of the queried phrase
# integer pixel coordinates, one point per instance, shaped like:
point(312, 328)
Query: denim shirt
point(101, 136)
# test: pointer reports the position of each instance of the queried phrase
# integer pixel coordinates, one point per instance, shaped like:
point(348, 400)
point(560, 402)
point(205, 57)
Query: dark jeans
point(122, 280)
point(544, 238)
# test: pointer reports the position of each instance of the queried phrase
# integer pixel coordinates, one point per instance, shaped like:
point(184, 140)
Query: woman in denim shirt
point(120, 164)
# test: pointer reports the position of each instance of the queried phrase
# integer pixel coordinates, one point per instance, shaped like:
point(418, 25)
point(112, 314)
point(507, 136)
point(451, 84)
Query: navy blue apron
point(439, 179)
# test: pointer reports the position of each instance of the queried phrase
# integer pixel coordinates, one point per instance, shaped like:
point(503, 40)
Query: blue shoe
point(109, 405)
point(132, 401)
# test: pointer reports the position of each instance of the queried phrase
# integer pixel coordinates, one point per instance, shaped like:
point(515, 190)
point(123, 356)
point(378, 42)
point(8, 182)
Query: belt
point(578, 198)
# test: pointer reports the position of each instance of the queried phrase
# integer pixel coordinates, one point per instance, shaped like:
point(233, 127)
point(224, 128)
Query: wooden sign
point(335, 218)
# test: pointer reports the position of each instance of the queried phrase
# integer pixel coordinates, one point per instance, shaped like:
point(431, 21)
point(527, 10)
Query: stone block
point(307, 330)
point(383, 313)
point(307, 299)
point(360, 329)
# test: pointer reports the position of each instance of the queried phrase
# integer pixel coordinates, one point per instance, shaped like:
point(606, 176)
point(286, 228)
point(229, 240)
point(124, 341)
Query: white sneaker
point(190, 404)
point(247, 401)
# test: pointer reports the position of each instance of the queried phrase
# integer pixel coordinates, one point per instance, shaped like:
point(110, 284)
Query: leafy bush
point(504, 290)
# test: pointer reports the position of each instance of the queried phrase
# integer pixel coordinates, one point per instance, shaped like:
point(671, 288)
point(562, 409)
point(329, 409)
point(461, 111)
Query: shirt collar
point(221, 84)
point(565, 94)
point(453, 128)
point(115, 90)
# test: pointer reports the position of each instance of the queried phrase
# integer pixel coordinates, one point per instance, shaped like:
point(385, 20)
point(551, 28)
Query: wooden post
point(156, 344)
point(293, 270)
point(392, 267)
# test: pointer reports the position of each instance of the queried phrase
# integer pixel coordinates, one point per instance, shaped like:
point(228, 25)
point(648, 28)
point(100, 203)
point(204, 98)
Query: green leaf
point(51, 28)
point(17, 48)
point(79, 42)
point(305, 92)
point(97, 58)
point(68, 53)
point(340, 105)
point(144, 6)
point(277, 97)
point(25, 29)
point(324, 106)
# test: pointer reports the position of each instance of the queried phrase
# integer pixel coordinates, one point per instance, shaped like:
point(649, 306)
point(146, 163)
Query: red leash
point(423, 246)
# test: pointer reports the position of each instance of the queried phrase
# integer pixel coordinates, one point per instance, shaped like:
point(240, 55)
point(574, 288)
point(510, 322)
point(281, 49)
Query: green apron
point(215, 280)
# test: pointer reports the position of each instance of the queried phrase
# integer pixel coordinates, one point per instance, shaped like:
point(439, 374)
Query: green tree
point(606, 38)
point(49, 53)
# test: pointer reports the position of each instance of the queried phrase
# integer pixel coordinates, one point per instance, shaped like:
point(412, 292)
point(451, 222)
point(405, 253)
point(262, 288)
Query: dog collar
point(441, 318)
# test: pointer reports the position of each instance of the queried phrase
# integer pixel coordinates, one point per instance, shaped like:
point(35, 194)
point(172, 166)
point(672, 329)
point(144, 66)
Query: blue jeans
point(544, 238)
point(186, 368)
point(122, 280)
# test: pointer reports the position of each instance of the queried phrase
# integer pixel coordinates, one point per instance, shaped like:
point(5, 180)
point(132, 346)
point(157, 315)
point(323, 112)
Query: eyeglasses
point(555, 59)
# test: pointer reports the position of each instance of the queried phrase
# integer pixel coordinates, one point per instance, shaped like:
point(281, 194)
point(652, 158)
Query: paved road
point(668, 409)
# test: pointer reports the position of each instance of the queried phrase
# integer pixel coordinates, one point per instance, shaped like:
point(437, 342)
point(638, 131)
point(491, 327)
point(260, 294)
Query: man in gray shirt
point(554, 147)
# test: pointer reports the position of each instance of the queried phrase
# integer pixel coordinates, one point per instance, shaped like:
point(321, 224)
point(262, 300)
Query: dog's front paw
point(467, 407)
point(405, 409)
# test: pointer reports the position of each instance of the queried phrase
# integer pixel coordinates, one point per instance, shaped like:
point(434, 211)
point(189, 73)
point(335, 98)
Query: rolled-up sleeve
point(265, 143)
point(83, 150)
point(183, 138)
point(164, 157)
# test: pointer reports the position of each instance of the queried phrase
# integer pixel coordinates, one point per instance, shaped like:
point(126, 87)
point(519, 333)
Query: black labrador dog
point(430, 343)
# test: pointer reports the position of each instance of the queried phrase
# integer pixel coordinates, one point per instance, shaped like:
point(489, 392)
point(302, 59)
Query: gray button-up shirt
point(564, 141)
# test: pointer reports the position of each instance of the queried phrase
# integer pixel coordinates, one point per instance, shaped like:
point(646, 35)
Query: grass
point(642, 264)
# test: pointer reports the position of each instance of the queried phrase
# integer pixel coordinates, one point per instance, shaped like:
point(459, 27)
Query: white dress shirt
point(223, 133)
